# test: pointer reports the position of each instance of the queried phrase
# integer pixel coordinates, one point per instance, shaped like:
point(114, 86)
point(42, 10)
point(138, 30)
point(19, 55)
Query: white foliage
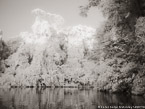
point(41, 28)
point(78, 33)
point(51, 53)
point(44, 21)
point(45, 26)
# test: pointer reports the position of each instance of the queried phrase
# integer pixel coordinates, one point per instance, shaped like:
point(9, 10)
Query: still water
point(17, 98)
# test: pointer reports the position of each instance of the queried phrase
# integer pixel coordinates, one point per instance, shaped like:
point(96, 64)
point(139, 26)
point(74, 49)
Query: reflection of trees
point(32, 98)
point(62, 98)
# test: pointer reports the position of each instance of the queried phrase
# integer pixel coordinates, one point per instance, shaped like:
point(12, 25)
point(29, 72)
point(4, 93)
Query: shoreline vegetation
point(111, 58)
point(79, 87)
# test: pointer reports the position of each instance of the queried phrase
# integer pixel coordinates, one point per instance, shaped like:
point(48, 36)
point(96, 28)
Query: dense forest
point(49, 56)
point(121, 45)
point(111, 58)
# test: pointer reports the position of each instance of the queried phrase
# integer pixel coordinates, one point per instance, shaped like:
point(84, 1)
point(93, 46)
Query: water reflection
point(63, 99)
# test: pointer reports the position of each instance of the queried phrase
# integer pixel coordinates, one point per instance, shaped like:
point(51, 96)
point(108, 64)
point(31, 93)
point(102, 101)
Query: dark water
point(63, 99)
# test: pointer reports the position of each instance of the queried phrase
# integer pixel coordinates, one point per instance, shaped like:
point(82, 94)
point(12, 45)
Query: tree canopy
point(120, 43)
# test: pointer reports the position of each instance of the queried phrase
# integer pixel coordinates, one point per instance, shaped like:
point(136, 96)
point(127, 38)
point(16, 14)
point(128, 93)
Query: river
point(59, 98)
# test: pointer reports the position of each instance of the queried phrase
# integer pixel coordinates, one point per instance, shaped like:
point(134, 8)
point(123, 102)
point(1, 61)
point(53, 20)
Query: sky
point(16, 16)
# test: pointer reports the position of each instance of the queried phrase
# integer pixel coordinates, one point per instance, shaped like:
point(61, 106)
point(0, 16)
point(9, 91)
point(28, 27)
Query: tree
point(39, 54)
point(4, 53)
point(121, 39)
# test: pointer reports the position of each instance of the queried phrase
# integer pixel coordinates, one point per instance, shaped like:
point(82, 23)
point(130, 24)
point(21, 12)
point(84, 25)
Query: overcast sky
point(16, 17)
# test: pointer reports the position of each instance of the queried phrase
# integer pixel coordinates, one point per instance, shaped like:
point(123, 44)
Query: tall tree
point(121, 39)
